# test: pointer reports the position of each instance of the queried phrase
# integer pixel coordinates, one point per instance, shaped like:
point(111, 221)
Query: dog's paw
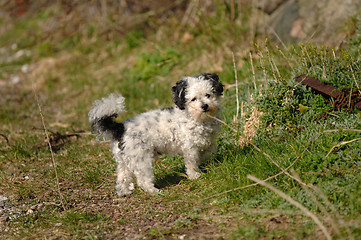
point(153, 190)
point(193, 175)
point(121, 191)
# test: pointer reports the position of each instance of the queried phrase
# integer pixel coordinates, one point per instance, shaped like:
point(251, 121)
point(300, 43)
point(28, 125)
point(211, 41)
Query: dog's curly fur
point(185, 129)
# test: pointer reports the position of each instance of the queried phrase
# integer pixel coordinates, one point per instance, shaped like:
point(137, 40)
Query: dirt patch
point(148, 217)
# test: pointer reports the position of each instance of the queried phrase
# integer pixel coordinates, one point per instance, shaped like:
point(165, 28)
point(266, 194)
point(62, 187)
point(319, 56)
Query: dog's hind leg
point(124, 183)
point(144, 174)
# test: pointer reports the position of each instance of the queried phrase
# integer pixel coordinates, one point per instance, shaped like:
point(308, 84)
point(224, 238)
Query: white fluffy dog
point(185, 129)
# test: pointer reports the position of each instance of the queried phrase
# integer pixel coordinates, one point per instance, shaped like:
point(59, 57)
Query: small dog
point(188, 129)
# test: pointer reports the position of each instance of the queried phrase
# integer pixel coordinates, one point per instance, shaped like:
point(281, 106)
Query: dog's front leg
point(192, 161)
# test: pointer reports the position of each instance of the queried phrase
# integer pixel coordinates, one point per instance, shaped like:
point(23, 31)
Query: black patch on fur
point(169, 109)
point(179, 93)
point(121, 145)
point(107, 124)
point(214, 79)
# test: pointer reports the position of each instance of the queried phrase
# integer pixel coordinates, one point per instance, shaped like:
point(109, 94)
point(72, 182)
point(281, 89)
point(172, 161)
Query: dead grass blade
point(354, 79)
point(263, 66)
point(236, 78)
point(295, 203)
point(308, 56)
point(340, 144)
point(306, 187)
point(253, 72)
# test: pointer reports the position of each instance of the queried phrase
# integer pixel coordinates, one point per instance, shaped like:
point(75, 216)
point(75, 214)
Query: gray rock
point(269, 6)
point(321, 21)
point(325, 19)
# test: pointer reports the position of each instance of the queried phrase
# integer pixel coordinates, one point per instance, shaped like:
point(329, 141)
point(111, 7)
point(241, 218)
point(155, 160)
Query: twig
point(236, 78)
point(50, 148)
point(293, 202)
point(340, 144)
point(6, 138)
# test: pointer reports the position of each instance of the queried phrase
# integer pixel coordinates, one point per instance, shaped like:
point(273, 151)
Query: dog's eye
point(208, 95)
point(193, 99)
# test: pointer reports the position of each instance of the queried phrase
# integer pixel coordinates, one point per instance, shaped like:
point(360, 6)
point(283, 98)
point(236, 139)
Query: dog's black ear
point(209, 76)
point(214, 79)
point(179, 93)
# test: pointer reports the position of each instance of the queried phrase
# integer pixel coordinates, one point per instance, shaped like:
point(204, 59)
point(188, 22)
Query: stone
point(3, 200)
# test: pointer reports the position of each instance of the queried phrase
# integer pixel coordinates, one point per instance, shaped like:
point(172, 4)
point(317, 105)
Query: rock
point(269, 6)
point(281, 21)
point(324, 19)
point(3, 200)
point(321, 21)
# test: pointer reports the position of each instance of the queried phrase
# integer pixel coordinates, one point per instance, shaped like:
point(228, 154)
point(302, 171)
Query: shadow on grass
point(169, 179)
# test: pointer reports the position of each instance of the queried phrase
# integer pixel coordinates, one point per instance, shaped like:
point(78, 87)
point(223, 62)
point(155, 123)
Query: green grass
point(72, 69)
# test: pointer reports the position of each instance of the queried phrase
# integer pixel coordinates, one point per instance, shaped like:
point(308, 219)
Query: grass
point(294, 132)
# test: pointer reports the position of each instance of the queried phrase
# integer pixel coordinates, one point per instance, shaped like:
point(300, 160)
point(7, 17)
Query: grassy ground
point(52, 71)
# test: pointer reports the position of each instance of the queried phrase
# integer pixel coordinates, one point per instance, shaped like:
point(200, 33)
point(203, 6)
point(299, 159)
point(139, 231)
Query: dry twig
point(6, 138)
point(50, 148)
point(340, 144)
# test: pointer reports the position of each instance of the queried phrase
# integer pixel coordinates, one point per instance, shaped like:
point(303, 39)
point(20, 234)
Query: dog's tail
point(102, 115)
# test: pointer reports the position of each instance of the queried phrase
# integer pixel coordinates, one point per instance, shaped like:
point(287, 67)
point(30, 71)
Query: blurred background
point(324, 21)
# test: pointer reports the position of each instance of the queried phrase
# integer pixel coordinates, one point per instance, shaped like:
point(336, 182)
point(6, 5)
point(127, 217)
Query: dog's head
point(199, 95)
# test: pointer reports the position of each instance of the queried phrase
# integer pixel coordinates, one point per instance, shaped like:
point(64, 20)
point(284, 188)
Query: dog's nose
point(205, 107)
